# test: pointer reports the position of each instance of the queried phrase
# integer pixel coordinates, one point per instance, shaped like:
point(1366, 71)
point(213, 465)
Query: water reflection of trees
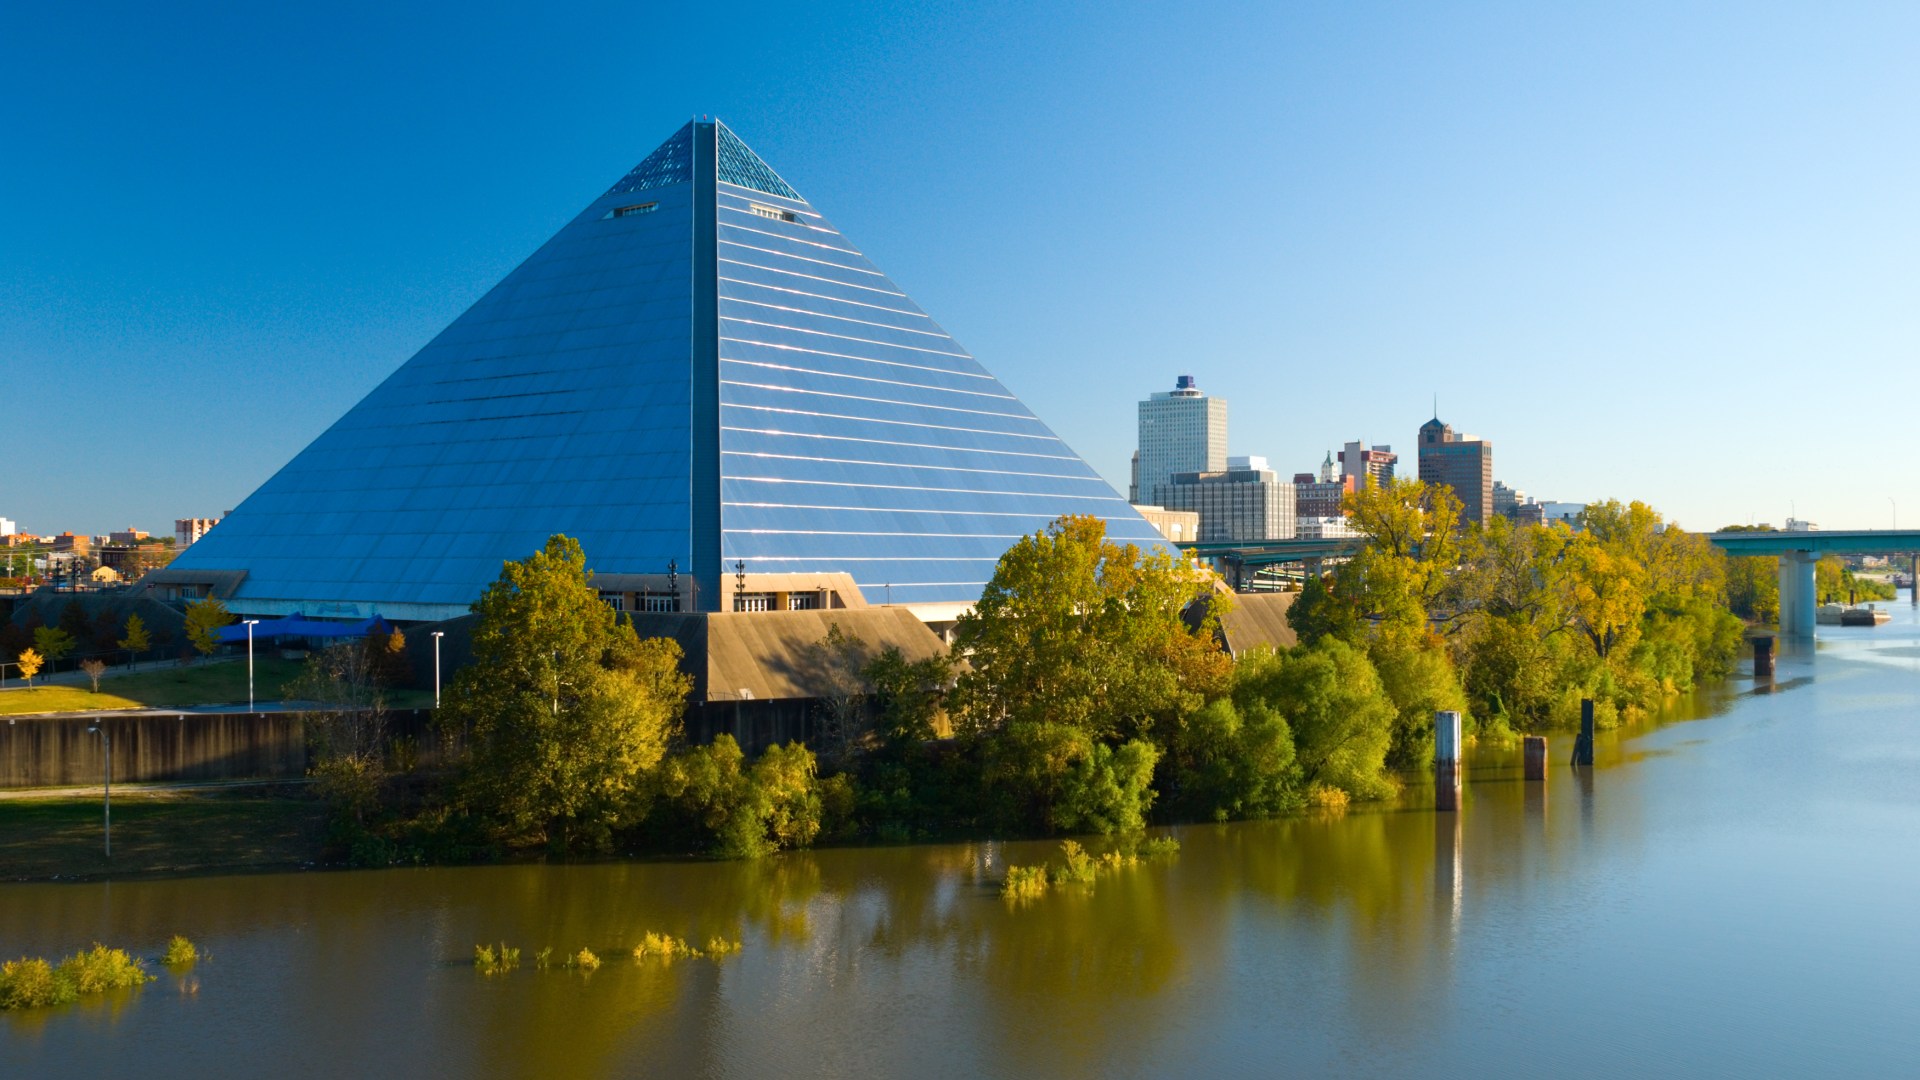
point(1358, 911)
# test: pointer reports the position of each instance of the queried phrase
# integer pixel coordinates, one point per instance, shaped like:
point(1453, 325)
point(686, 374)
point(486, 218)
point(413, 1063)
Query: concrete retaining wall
point(155, 747)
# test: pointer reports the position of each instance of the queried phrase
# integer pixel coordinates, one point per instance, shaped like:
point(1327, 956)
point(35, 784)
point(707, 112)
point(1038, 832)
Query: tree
point(565, 709)
point(204, 619)
point(741, 812)
point(909, 695)
point(94, 667)
point(1340, 716)
point(834, 663)
point(138, 640)
point(53, 643)
point(346, 734)
point(1397, 582)
point(1227, 765)
point(30, 662)
point(1079, 631)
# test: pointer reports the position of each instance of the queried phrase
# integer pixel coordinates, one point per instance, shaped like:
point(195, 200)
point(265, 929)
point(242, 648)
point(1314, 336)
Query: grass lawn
point(158, 832)
point(220, 683)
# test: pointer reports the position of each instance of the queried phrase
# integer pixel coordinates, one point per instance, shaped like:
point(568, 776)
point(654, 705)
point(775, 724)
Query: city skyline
point(1571, 226)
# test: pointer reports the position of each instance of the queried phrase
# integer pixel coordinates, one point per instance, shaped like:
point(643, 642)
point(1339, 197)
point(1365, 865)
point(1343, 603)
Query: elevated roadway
point(1798, 552)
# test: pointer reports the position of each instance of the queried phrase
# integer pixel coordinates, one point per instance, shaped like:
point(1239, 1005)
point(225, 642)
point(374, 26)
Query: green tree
point(1340, 716)
point(53, 643)
point(1076, 630)
point(564, 708)
point(739, 812)
point(204, 620)
point(1060, 778)
point(909, 695)
point(1226, 765)
point(138, 640)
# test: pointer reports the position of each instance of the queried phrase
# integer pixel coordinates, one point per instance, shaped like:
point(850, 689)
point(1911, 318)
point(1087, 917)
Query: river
point(1730, 892)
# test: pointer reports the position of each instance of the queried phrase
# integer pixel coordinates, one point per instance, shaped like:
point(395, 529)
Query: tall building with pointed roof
point(1463, 463)
point(706, 383)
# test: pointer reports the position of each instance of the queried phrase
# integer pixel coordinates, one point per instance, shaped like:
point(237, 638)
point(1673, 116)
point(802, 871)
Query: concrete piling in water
point(1583, 746)
point(1535, 750)
point(1446, 760)
point(1763, 658)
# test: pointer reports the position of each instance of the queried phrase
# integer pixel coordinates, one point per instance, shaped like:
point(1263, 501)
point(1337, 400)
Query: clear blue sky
point(1666, 251)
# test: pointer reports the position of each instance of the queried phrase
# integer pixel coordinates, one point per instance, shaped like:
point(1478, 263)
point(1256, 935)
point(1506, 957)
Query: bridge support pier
point(1798, 594)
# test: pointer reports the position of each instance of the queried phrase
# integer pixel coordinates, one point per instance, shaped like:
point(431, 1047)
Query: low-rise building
point(1179, 526)
point(1326, 528)
point(1245, 502)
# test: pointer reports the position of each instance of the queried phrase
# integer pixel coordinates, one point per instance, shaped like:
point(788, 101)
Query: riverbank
point(160, 831)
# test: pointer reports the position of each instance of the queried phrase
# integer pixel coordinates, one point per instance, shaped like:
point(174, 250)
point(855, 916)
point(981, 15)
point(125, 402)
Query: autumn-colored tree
point(30, 663)
point(204, 620)
point(94, 667)
point(138, 640)
point(1079, 631)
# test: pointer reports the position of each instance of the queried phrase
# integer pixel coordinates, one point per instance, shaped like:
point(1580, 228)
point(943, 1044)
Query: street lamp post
point(251, 623)
point(437, 635)
point(106, 805)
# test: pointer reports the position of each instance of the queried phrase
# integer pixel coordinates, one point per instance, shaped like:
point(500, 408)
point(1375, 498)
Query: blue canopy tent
point(299, 626)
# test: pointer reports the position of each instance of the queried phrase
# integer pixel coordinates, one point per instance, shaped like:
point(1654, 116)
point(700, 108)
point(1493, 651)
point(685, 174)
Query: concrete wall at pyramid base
point(756, 675)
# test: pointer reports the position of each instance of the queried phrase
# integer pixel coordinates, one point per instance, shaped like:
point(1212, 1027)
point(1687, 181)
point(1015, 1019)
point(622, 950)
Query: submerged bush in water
point(100, 969)
point(665, 947)
point(584, 960)
point(1025, 883)
point(491, 962)
point(31, 983)
point(180, 953)
point(1078, 867)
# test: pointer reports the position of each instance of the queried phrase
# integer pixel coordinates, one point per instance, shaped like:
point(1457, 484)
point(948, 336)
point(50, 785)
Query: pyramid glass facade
point(698, 369)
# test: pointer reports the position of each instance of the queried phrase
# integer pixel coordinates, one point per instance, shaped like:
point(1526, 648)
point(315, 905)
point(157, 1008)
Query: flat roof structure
point(702, 380)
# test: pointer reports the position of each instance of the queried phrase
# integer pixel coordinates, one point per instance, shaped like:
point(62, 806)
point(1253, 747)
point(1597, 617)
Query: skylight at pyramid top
point(704, 382)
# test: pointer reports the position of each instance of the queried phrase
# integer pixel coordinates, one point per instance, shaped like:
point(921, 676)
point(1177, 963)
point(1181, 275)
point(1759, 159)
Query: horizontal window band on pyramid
point(899, 465)
point(745, 227)
point(877, 401)
point(838, 318)
point(844, 337)
point(802, 258)
point(821, 296)
point(921, 488)
point(755, 208)
point(849, 356)
point(862, 378)
point(800, 205)
point(894, 442)
point(815, 277)
point(1047, 437)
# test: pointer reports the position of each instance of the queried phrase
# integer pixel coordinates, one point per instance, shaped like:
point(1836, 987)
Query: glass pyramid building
point(697, 372)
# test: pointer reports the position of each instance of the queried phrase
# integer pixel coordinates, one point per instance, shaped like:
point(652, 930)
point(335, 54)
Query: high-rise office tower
point(1181, 430)
point(1463, 463)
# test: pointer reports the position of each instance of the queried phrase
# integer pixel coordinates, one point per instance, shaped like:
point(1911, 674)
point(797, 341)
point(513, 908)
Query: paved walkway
point(140, 789)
